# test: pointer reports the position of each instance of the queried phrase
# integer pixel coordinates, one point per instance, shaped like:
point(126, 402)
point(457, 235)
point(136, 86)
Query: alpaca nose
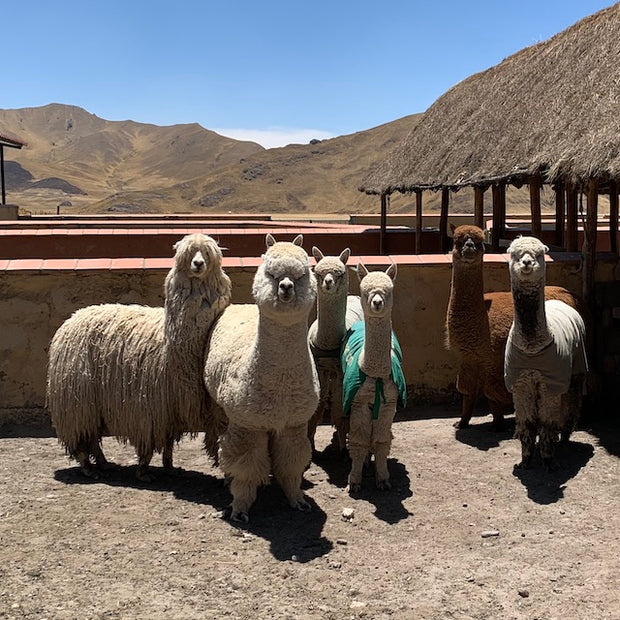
point(198, 262)
point(377, 303)
point(285, 288)
point(328, 282)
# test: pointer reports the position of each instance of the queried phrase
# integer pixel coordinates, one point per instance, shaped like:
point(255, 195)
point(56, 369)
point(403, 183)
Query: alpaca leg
point(144, 460)
point(244, 458)
point(340, 436)
point(100, 459)
point(497, 411)
point(571, 406)
point(547, 441)
point(467, 409)
point(382, 442)
point(82, 455)
point(166, 455)
point(313, 422)
point(552, 416)
point(290, 454)
point(525, 421)
point(360, 428)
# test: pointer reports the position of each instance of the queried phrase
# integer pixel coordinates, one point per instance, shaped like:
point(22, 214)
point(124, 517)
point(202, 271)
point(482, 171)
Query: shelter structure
point(11, 143)
point(547, 115)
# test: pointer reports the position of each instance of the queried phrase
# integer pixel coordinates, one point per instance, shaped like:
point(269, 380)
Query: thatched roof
point(551, 109)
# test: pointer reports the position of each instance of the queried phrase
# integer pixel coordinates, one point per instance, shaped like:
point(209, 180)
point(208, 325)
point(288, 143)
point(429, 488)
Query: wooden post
point(383, 225)
point(589, 242)
point(479, 206)
point(572, 244)
point(535, 207)
point(2, 173)
point(443, 220)
point(559, 213)
point(499, 215)
point(418, 221)
point(613, 216)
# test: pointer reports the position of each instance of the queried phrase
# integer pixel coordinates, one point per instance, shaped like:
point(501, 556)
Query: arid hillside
point(85, 164)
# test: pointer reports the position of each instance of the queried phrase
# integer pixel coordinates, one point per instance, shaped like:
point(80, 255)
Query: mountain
point(87, 164)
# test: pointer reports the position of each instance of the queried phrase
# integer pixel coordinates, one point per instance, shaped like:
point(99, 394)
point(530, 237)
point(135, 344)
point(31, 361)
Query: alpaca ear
point(546, 249)
point(344, 255)
point(362, 272)
point(270, 240)
point(391, 271)
point(318, 255)
point(175, 246)
point(298, 240)
point(452, 227)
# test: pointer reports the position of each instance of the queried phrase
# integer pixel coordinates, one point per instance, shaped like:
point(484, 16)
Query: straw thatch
point(552, 109)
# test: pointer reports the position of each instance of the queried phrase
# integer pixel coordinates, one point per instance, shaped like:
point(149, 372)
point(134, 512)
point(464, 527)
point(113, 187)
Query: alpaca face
point(468, 244)
point(527, 259)
point(197, 255)
point(331, 275)
point(376, 290)
point(284, 284)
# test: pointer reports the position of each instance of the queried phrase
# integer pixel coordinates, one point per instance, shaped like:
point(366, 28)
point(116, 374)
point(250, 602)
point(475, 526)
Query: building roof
point(11, 141)
point(552, 109)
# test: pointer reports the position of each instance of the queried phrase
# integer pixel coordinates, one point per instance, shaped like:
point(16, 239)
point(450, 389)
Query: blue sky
point(273, 72)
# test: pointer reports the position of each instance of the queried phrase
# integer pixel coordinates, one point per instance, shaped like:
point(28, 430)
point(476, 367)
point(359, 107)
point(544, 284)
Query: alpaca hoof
point(90, 472)
point(461, 423)
point(383, 485)
point(354, 487)
point(239, 516)
point(107, 466)
point(301, 504)
point(143, 476)
point(523, 465)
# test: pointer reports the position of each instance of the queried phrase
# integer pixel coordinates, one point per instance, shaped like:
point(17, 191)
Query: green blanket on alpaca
point(353, 377)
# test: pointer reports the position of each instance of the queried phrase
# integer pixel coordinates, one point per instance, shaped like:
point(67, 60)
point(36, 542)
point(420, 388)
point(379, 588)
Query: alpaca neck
point(530, 333)
point(376, 357)
point(467, 312)
point(282, 344)
point(331, 312)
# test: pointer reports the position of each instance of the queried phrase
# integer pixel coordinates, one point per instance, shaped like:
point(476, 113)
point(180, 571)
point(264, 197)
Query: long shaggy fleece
point(259, 371)
point(135, 372)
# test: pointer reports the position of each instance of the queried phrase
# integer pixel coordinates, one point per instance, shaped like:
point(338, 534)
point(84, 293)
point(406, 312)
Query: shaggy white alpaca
point(135, 372)
point(260, 372)
point(545, 361)
point(373, 382)
point(336, 312)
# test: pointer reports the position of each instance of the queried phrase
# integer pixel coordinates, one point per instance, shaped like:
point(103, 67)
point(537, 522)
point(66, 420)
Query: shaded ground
point(116, 548)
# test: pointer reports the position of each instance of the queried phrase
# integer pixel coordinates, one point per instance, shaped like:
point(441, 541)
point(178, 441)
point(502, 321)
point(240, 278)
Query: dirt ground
point(461, 534)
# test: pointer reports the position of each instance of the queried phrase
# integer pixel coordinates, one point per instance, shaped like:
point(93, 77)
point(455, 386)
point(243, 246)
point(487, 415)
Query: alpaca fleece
point(135, 372)
point(260, 373)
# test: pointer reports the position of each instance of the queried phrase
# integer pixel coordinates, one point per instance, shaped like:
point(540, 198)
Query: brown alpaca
point(477, 326)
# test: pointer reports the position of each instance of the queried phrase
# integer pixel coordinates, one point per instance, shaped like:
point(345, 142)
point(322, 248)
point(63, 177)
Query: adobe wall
point(35, 298)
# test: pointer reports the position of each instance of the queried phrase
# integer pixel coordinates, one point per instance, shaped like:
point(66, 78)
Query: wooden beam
point(560, 208)
point(383, 230)
point(499, 215)
point(443, 220)
point(613, 216)
point(589, 241)
point(418, 221)
point(535, 206)
point(572, 244)
point(479, 206)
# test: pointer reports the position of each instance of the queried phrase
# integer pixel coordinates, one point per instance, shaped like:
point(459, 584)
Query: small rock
point(295, 558)
point(348, 513)
point(357, 605)
point(562, 512)
point(524, 593)
point(335, 565)
point(489, 533)
point(341, 541)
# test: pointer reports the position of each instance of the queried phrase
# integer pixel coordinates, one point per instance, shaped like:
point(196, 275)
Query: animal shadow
point(188, 485)
point(547, 487)
point(292, 534)
point(484, 436)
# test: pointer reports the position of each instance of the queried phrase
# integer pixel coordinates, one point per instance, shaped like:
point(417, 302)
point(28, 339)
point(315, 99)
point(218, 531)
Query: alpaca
point(135, 372)
point(545, 360)
point(477, 326)
point(371, 351)
point(260, 374)
point(336, 312)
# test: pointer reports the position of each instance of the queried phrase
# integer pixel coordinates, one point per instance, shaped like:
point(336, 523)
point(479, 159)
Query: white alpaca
point(336, 312)
point(545, 361)
point(135, 372)
point(373, 381)
point(259, 370)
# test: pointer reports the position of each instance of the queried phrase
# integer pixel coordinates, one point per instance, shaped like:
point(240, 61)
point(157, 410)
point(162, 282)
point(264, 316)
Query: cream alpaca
point(373, 381)
point(259, 371)
point(336, 312)
point(135, 372)
point(545, 361)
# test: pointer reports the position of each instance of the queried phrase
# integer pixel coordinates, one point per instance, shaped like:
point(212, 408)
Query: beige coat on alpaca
point(259, 370)
point(368, 435)
point(135, 372)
